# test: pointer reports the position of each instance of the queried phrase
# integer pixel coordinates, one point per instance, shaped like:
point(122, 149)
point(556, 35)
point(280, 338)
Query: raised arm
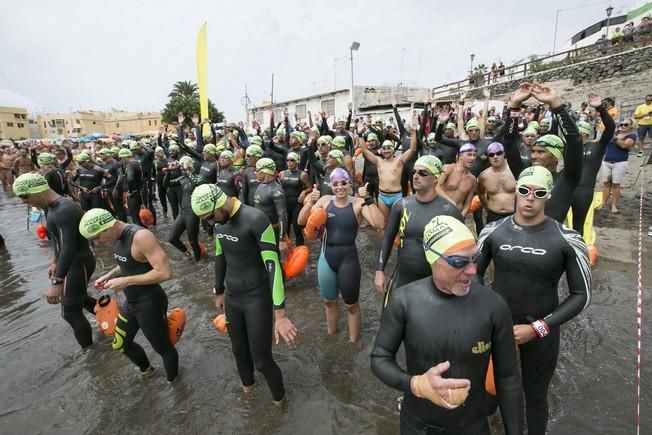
point(407, 155)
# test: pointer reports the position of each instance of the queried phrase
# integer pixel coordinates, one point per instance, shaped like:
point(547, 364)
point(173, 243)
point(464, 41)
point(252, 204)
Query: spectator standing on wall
point(643, 115)
point(628, 33)
point(614, 165)
point(616, 36)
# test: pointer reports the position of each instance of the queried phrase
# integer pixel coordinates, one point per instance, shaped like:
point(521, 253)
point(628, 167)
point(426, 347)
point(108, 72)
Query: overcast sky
point(69, 55)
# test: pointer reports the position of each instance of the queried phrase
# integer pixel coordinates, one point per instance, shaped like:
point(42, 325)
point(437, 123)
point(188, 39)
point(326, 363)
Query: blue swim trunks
point(389, 198)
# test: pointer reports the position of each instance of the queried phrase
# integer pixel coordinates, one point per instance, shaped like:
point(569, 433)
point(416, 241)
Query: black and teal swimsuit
point(248, 272)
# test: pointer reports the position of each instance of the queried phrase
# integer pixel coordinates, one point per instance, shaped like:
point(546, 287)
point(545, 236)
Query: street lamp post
point(472, 57)
point(609, 10)
point(554, 44)
point(354, 47)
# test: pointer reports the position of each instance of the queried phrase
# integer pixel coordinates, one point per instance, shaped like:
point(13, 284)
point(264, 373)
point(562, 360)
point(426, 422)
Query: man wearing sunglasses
point(73, 262)
point(531, 252)
point(496, 185)
point(248, 287)
point(407, 219)
point(450, 325)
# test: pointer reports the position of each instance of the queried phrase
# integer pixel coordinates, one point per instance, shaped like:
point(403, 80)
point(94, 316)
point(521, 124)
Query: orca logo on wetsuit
point(120, 258)
point(524, 249)
point(228, 237)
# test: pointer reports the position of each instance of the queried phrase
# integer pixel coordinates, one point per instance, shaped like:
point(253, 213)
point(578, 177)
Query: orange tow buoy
point(106, 313)
point(296, 261)
point(315, 224)
point(593, 254)
point(41, 231)
point(220, 323)
point(475, 204)
point(146, 217)
point(489, 384)
point(176, 323)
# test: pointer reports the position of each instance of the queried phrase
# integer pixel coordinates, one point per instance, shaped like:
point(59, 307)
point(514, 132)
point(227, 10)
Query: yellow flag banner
point(589, 232)
point(202, 73)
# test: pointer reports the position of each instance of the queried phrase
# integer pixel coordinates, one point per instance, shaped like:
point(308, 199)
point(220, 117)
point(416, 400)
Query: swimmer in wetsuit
point(229, 178)
point(296, 186)
point(249, 180)
point(408, 217)
point(142, 267)
point(88, 179)
point(248, 287)
point(53, 171)
point(450, 326)
point(530, 252)
point(270, 199)
point(548, 148)
point(338, 270)
point(389, 168)
point(73, 262)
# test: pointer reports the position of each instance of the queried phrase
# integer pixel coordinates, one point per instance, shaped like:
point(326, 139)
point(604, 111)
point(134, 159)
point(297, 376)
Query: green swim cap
point(314, 128)
point(280, 131)
point(219, 148)
point(530, 131)
point(450, 126)
point(302, 136)
point(206, 198)
point(431, 137)
point(145, 140)
point(445, 234)
point(256, 140)
point(133, 145)
point(187, 141)
point(293, 156)
point(553, 144)
point(45, 159)
point(124, 153)
point(297, 135)
point(372, 136)
point(210, 148)
point(339, 142)
point(185, 160)
point(584, 127)
point(337, 155)
point(159, 150)
point(30, 184)
point(545, 121)
point(83, 157)
point(535, 176)
point(325, 139)
point(172, 143)
point(534, 125)
point(227, 153)
point(266, 166)
point(104, 152)
point(115, 150)
point(491, 118)
point(95, 221)
point(432, 163)
point(254, 150)
point(173, 147)
point(472, 123)
point(387, 144)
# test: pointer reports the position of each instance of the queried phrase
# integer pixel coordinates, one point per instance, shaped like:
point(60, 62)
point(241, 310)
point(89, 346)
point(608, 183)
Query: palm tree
point(185, 90)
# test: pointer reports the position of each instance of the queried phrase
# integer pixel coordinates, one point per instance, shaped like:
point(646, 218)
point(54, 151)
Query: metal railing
point(540, 64)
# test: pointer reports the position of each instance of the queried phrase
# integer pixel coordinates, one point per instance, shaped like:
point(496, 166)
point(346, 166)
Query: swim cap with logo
point(535, 176)
point(339, 174)
point(467, 147)
point(584, 127)
point(266, 166)
point(133, 145)
point(95, 221)
point(495, 147)
point(210, 148)
point(227, 154)
point(293, 156)
point(472, 123)
point(325, 139)
point(30, 184)
point(372, 136)
point(432, 163)
point(45, 159)
point(445, 234)
point(124, 153)
point(337, 155)
point(339, 142)
point(552, 143)
point(256, 140)
point(206, 198)
point(254, 150)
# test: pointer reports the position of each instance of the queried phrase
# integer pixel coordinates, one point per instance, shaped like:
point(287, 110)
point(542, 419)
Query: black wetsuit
point(529, 262)
point(407, 218)
point(254, 287)
point(187, 220)
point(481, 163)
point(207, 168)
point(162, 190)
point(465, 330)
point(113, 169)
point(174, 192)
point(55, 174)
point(270, 198)
point(133, 185)
point(370, 174)
point(145, 308)
point(249, 185)
point(91, 179)
point(338, 269)
point(293, 186)
point(146, 159)
point(230, 181)
point(75, 265)
point(565, 181)
point(593, 154)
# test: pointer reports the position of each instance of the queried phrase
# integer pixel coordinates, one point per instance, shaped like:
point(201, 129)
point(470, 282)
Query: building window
point(10, 124)
point(59, 130)
point(300, 110)
point(155, 122)
point(76, 130)
point(149, 123)
point(117, 125)
point(17, 115)
point(45, 124)
point(21, 125)
point(93, 122)
point(59, 122)
point(328, 106)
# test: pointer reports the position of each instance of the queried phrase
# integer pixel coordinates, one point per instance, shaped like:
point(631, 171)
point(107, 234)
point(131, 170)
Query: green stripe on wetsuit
point(270, 258)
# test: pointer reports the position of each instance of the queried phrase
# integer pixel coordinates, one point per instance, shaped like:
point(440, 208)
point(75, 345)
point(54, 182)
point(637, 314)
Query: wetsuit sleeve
point(578, 275)
point(484, 248)
point(63, 165)
point(512, 154)
point(34, 158)
point(267, 245)
point(133, 178)
point(194, 154)
point(609, 129)
point(439, 137)
point(278, 148)
point(390, 233)
point(73, 180)
point(278, 196)
point(68, 226)
point(506, 375)
point(399, 121)
point(199, 137)
point(499, 130)
point(220, 267)
point(422, 128)
point(244, 190)
point(389, 338)
point(317, 166)
point(574, 150)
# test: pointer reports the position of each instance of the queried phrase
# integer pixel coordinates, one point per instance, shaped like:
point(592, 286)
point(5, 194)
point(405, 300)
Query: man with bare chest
point(496, 185)
point(457, 184)
point(6, 165)
point(390, 169)
point(23, 163)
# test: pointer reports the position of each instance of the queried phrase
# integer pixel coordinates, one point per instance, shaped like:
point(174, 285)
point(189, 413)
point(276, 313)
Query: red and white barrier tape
point(639, 303)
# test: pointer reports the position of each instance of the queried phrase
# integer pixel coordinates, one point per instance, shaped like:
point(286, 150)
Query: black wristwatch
point(56, 281)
